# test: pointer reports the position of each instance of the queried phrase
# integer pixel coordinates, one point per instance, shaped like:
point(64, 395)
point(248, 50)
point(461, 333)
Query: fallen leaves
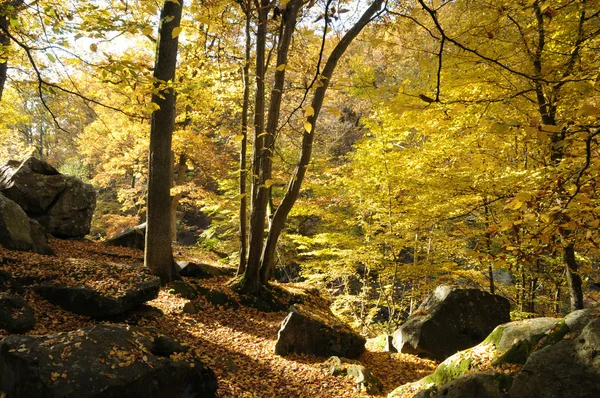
point(237, 344)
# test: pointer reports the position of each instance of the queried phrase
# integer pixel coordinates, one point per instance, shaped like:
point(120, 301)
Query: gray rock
point(8, 283)
point(15, 231)
point(363, 378)
point(203, 271)
point(16, 316)
point(109, 361)
point(18, 232)
point(190, 308)
point(133, 237)
point(450, 320)
point(476, 385)
point(183, 289)
point(90, 302)
point(569, 368)
point(39, 238)
point(577, 320)
point(62, 204)
point(317, 334)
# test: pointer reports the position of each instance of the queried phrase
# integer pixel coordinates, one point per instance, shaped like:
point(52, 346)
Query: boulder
point(317, 332)
point(39, 238)
point(203, 271)
point(62, 204)
point(8, 283)
point(134, 237)
point(110, 297)
point(507, 348)
point(182, 289)
point(477, 385)
point(363, 378)
point(18, 232)
point(109, 361)
point(569, 368)
point(449, 320)
point(16, 316)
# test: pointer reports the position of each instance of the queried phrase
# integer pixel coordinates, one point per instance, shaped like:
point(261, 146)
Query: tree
point(158, 255)
point(261, 250)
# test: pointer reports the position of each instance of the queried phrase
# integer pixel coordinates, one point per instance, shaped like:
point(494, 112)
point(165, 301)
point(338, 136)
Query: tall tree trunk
point(5, 14)
point(573, 279)
point(181, 170)
point(250, 279)
point(158, 255)
point(293, 188)
point(244, 148)
point(288, 21)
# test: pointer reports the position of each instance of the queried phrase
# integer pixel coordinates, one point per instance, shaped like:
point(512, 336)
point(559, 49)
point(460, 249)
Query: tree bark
point(181, 170)
point(158, 255)
point(5, 40)
point(573, 279)
point(250, 279)
point(244, 148)
point(293, 188)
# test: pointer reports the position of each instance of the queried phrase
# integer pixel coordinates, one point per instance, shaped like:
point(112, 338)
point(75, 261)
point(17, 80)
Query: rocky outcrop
point(539, 357)
point(62, 204)
point(109, 361)
point(99, 302)
point(450, 320)
point(569, 368)
point(317, 332)
point(18, 232)
point(133, 237)
point(16, 316)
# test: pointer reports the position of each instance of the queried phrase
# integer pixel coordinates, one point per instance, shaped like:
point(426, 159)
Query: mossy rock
point(515, 341)
point(452, 368)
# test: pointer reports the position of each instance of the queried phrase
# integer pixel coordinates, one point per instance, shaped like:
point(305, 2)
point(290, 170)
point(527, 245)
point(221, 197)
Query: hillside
point(236, 343)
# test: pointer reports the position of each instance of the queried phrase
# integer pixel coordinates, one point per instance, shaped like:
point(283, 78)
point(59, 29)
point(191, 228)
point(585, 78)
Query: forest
point(370, 151)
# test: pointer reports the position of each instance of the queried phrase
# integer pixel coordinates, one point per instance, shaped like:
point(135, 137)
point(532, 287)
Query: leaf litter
point(237, 343)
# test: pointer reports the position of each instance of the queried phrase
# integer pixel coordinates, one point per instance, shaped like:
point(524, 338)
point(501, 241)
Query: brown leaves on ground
point(237, 344)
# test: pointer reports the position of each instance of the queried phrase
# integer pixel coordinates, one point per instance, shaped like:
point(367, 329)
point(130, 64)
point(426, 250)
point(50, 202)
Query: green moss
point(450, 371)
point(495, 337)
point(519, 352)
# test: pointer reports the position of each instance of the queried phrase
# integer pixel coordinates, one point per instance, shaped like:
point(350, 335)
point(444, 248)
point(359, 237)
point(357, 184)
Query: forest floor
point(237, 344)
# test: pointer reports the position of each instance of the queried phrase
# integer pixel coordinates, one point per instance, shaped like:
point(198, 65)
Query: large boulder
point(16, 316)
point(569, 368)
point(449, 320)
point(539, 357)
point(134, 237)
point(109, 361)
point(131, 286)
point(64, 205)
point(18, 232)
point(317, 332)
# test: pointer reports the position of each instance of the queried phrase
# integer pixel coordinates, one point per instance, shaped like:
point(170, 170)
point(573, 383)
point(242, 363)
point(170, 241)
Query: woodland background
point(458, 140)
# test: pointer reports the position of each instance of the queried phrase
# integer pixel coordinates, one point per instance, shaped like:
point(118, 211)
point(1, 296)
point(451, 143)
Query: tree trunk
point(295, 183)
point(158, 254)
point(289, 21)
point(5, 14)
point(250, 279)
point(573, 279)
point(181, 170)
point(244, 149)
